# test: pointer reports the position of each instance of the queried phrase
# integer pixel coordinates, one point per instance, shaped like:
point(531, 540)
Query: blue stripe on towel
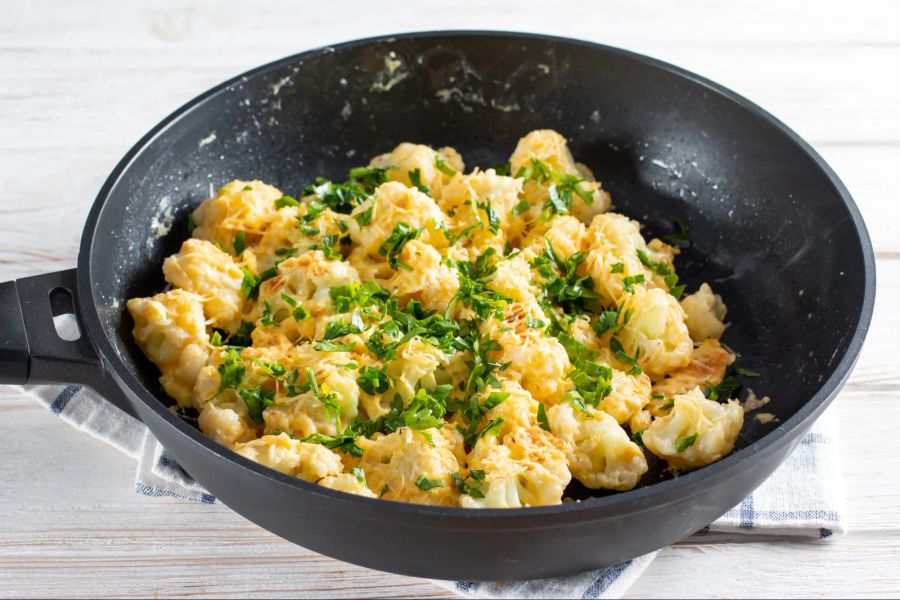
point(61, 401)
point(813, 438)
point(747, 514)
point(167, 463)
point(607, 577)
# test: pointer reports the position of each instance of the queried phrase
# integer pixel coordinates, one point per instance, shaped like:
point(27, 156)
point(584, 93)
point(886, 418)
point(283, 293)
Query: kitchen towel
point(801, 499)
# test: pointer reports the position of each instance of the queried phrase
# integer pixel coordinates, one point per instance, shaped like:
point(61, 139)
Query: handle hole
point(63, 308)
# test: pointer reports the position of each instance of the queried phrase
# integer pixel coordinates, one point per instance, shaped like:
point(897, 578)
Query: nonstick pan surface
point(771, 228)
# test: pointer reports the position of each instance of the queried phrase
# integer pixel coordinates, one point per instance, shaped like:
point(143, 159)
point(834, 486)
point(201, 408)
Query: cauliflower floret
point(225, 425)
point(297, 227)
point(347, 482)
point(565, 234)
point(696, 432)
point(629, 395)
point(655, 331)
point(171, 330)
point(395, 205)
point(519, 409)
point(538, 362)
point(550, 148)
point(527, 467)
point(640, 421)
point(599, 452)
point(708, 364)
point(585, 335)
point(327, 412)
point(480, 205)
point(239, 206)
point(513, 279)
point(394, 463)
point(428, 280)
point(310, 462)
point(415, 367)
point(202, 268)
point(307, 279)
point(705, 314)
point(408, 157)
point(614, 242)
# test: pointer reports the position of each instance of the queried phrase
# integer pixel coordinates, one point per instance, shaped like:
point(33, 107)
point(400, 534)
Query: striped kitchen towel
point(801, 499)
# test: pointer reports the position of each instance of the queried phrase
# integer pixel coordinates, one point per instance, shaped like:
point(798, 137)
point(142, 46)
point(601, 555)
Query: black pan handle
point(31, 350)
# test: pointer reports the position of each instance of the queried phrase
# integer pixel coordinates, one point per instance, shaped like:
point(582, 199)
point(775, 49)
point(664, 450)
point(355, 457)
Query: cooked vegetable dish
point(422, 334)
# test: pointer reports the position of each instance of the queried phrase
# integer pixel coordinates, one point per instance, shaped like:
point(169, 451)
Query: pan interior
point(768, 229)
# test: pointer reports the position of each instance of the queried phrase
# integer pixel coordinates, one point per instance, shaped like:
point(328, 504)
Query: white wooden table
point(80, 82)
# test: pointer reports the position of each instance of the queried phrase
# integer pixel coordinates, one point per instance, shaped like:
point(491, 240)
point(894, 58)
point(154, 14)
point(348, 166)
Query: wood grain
point(80, 82)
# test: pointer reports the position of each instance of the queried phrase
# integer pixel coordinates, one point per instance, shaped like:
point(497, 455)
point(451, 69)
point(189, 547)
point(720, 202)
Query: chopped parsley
point(617, 268)
point(240, 338)
point(425, 410)
point(492, 216)
point(470, 489)
point(629, 281)
point(250, 284)
point(563, 186)
point(407, 323)
point(608, 321)
point(272, 369)
point(369, 178)
point(542, 419)
point(327, 244)
point(298, 312)
point(329, 346)
point(685, 442)
point(616, 346)
point(473, 291)
point(373, 381)
point(724, 390)
point(267, 317)
point(415, 178)
point(425, 484)
point(364, 217)
point(286, 201)
point(327, 398)
point(240, 243)
point(680, 235)
point(345, 442)
point(638, 438)
point(663, 270)
point(745, 372)
point(257, 400)
point(493, 427)
point(520, 208)
point(534, 323)
point(337, 329)
point(393, 245)
point(231, 372)
point(562, 286)
point(443, 167)
point(369, 298)
point(359, 474)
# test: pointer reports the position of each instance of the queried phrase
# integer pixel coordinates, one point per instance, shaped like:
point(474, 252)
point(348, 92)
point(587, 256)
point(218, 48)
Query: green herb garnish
point(683, 443)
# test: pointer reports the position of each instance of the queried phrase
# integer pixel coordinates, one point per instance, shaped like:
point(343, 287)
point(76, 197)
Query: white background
point(80, 82)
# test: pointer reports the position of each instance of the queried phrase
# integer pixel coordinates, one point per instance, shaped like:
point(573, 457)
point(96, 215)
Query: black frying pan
point(772, 228)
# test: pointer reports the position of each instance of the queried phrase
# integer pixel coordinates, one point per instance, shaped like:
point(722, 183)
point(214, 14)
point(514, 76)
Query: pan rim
point(689, 484)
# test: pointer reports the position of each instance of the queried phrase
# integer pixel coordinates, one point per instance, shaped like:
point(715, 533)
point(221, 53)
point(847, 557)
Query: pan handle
point(32, 349)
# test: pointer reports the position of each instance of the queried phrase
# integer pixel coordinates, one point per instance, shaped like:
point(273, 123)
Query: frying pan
point(771, 227)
